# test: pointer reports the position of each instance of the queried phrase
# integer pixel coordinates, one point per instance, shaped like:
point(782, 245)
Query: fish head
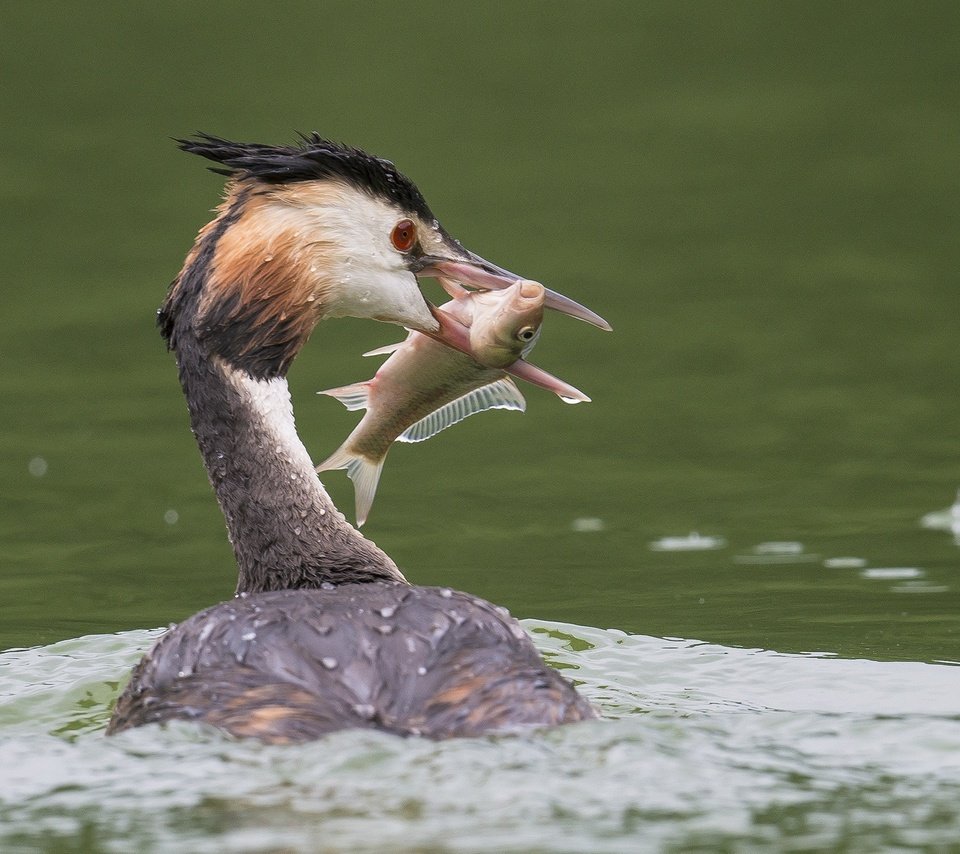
point(506, 323)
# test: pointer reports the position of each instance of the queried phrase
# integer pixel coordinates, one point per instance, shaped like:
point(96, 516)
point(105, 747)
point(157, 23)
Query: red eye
point(404, 235)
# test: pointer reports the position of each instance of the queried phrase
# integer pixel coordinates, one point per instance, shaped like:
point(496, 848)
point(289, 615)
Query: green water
point(763, 200)
point(705, 748)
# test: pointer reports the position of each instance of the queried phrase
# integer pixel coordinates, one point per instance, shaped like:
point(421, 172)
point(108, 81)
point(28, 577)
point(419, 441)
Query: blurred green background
point(761, 197)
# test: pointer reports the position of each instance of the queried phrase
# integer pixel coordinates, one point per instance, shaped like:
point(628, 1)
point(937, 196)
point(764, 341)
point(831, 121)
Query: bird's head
point(308, 232)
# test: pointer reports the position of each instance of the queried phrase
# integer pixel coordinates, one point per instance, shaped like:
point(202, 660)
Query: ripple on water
point(779, 552)
point(704, 746)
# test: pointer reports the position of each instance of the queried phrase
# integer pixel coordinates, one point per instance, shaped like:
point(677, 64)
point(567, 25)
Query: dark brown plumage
point(291, 666)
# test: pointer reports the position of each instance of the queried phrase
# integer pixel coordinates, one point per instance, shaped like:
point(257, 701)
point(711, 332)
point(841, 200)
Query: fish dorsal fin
point(386, 350)
point(501, 394)
point(356, 396)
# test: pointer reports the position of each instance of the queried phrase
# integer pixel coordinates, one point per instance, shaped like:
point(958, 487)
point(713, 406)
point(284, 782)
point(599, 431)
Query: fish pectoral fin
point(538, 376)
point(500, 394)
point(353, 397)
point(365, 474)
point(386, 350)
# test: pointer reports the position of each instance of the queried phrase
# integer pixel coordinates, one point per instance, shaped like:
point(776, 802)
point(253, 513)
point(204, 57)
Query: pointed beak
point(478, 273)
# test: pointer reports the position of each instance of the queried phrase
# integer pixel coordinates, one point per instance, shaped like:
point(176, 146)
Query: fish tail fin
point(365, 474)
point(356, 396)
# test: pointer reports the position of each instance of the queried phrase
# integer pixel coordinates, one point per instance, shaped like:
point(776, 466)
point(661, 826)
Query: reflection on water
point(703, 746)
point(777, 553)
point(755, 197)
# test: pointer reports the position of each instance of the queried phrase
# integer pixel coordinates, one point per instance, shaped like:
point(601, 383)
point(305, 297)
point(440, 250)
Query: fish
point(426, 386)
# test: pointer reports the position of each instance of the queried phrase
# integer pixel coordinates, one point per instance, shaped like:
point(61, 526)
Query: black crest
point(314, 158)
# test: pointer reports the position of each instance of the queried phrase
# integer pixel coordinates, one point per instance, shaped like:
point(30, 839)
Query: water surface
point(761, 199)
point(704, 747)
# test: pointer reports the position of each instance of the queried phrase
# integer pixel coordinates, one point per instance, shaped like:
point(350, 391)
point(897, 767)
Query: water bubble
point(171, 517)
point(388, 611)
point(692, 542)
point(328, 662)
point(892, 573)
point(422, 671)
point(249, 636)
point(37, 467)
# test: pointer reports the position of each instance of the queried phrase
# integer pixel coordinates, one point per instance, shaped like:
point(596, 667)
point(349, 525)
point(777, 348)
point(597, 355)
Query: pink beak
point(478, 273)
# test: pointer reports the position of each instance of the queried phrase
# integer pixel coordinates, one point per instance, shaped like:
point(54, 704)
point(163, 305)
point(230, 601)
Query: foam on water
point(702, 746)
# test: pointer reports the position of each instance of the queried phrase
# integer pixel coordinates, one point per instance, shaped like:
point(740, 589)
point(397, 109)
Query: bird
point(324, 632)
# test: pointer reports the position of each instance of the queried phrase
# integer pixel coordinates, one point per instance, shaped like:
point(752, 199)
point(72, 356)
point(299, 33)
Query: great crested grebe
point(325, 633)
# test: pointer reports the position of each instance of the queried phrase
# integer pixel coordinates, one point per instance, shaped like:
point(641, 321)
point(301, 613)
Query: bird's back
point(292, 665)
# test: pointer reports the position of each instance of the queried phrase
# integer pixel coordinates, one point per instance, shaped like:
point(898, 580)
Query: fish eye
point(404, 235)
point(527, 333)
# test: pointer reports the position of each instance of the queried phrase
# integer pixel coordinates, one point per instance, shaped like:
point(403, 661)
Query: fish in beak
point(426, 386)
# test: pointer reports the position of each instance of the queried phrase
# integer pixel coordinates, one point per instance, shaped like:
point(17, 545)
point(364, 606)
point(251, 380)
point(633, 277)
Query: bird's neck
point(284, 528)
